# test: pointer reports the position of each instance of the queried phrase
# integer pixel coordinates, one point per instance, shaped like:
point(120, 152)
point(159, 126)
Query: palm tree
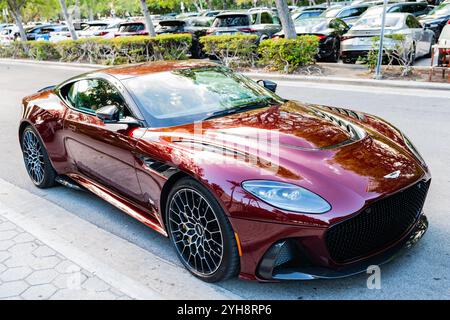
point(148, 19)
point(68, 19)
point(15, 7)
point(286, 19)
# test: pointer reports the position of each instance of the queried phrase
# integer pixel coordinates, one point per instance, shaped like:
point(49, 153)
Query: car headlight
point(287, 196)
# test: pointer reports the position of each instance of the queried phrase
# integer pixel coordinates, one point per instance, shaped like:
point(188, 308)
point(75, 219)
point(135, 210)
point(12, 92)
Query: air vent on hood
point(346, 112)
point(355, 132)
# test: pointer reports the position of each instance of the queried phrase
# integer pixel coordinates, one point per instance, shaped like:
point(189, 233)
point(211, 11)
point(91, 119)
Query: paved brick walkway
point(29, 269)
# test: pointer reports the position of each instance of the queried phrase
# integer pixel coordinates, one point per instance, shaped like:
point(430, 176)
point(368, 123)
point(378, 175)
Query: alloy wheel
point(196, 232)
point(33, 156)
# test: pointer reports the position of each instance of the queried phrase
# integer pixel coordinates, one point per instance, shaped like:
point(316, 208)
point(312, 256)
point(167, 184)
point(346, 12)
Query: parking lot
point(422, 273)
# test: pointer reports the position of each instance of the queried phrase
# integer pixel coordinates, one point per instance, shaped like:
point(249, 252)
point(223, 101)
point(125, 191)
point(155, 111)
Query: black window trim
point(114, 82)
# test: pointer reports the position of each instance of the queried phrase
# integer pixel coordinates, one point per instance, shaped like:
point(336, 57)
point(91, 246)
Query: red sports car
point(241, 180)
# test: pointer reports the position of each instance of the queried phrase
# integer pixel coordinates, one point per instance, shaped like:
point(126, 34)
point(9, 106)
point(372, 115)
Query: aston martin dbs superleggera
point(240, 180)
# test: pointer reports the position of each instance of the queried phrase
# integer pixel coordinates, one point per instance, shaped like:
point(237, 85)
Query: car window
point(92, 94)
point(231, 21)
point(189, 95)
point(266, 18)
point(132, 27)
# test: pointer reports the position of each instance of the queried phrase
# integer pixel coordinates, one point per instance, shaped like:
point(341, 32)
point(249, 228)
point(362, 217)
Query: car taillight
point(246, 30)
point(101, 33)
point(448, 22)
point(321, 36)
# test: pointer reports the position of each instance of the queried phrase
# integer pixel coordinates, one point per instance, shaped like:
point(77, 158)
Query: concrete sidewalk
point(48, 253)
point(30, 269)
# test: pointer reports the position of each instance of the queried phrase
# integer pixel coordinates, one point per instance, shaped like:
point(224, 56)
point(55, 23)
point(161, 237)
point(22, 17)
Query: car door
point(416, 32)
point(101, 151)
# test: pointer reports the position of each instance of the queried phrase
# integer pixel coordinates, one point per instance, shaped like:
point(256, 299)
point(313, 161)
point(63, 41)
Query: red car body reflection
point(134, 168)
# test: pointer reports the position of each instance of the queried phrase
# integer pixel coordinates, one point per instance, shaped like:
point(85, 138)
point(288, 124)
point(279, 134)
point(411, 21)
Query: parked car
point(8, 34)
point(46, 32)
point(182, 146)
point(211, 13)
point(359, 40)
point(131, 28)
point(306, 14)
point(437, 18)
point(34, 32)
point(197, 27)
point(264, 24)
point(444, 40)
point(329, 31)
point(295, 13)
point(414, 8)
point(349, 14)
point(5, 25)
point(102, 29)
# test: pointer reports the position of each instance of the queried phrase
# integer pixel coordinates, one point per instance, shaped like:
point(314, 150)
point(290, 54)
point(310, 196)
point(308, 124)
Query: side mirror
point(108, 114)
point(269, 85)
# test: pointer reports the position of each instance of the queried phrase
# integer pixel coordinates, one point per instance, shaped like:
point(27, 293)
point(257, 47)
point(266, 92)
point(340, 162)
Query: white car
point(102, 29)
point(7, 34)
point(358, 41)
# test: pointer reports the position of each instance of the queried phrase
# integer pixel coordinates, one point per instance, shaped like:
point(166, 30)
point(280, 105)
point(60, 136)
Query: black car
point(437, 19)
point(197, 27)
point(329, 31)
point(33, 33)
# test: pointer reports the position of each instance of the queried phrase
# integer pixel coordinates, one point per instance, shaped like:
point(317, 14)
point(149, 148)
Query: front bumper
point(268, 269)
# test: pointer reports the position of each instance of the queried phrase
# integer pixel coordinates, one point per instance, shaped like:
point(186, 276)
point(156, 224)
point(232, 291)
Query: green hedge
point(287, 55)
point(105, 51)
point(284, 55)
point(232, 50)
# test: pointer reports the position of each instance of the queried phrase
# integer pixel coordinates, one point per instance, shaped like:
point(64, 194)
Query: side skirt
point(119, 202)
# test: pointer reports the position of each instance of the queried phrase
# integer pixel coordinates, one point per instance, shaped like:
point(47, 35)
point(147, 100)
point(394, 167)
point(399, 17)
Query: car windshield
point(132, 27)
point(316, 23)
point(231, 21)
point(330, 13)
point(189, 95)
point(95, 27)
point(374, 22)
point(442, 10)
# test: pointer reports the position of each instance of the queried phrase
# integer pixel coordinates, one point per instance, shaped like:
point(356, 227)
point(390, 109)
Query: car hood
point(336, 154)
point(291, 125)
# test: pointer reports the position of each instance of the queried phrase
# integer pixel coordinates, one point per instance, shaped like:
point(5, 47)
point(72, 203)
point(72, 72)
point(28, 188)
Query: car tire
point(200, 232)
point(37, 162)
point(334, 57)
point(349, 60)
point(430, 52)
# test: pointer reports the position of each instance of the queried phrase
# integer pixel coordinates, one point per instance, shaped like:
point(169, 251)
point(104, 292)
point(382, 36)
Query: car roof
point(135, 70)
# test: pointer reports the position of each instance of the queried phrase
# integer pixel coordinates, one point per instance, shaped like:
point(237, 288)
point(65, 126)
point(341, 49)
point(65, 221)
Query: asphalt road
point(422, 273)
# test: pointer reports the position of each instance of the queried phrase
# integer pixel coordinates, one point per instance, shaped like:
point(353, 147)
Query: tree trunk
point(17, 15)
point(68, 19)
point(286, 19)
point(148, 18)
point(210, 4)
point(328, 3)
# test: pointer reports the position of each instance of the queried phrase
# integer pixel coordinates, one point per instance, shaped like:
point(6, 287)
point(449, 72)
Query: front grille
point(379, 225)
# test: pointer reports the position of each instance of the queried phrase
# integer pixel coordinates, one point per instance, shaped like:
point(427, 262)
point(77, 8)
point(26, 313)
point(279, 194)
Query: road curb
point(401, 84)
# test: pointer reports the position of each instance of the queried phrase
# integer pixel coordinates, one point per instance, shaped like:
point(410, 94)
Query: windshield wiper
point(242, 108)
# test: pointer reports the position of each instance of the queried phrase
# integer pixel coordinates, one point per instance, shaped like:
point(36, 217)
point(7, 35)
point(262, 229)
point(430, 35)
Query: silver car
point(358, 41)
point(263, 23)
